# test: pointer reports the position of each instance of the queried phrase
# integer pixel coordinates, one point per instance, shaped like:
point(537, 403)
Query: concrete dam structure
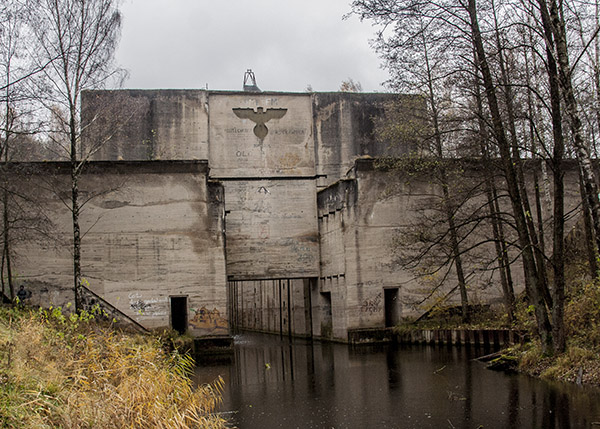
point(214, 210)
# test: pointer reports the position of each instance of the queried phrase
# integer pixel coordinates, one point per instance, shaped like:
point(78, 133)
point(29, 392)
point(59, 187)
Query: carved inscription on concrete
point(371, 305)
point(261, 135)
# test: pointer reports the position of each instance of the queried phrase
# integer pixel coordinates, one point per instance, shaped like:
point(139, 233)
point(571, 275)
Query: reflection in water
point(272, 382)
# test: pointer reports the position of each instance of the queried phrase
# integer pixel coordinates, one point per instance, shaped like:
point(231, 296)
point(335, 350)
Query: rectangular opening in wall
point(326, 315)
point(392, 307)
point(309, 286)
point(179, 313)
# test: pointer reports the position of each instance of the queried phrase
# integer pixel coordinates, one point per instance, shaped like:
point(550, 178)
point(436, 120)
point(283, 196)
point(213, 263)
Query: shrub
point(582, 314)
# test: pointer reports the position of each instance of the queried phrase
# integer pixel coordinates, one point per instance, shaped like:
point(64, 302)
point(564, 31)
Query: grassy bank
point(581, 361)
point(69, 372)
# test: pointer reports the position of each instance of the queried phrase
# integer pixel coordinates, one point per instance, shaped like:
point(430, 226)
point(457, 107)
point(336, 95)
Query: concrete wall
point(152, 231)
point(269, 185)
point(359, 220)
point(269, 179)
point(345, 129)
point(356, 230)
point(271, 229)
point(272, 152)
point(138, 125)
point(319, 133)
point(297, 194)
point(235, 149)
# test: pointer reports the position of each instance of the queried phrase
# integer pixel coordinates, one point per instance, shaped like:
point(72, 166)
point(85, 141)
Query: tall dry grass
point(58, 371)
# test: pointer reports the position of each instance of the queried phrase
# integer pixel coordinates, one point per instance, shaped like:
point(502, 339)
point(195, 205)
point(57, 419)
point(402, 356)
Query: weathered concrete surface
point(286, 150)
point(360, 218)
point(137, 125)
point(269, 176)
point(271, 226)
point(153, 231)
point(271, 229)
point(159, 232)
point(319, 132)
point(357, 221)
point(345, 129)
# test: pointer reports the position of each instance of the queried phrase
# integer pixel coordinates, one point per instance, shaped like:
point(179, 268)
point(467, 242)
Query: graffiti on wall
point(149, 307)
point(139, 306)
point(210, 322)
point(372, 305)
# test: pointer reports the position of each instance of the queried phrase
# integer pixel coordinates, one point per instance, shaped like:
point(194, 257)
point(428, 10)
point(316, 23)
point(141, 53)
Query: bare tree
point(17, 111)
point(432, 67)
point(513, 115)
point(350, 85)
point(9, 43)
point(429, 59)
point(79, 37)
point(460, 23)
point(553, 22)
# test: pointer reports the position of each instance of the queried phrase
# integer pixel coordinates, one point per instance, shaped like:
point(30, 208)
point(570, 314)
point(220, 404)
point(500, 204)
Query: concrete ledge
point(371, 336)
point(480, 337)
point(112, 167)
point(213, 345)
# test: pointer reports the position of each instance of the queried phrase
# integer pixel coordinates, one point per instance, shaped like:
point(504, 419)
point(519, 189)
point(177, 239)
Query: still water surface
point(272, 382)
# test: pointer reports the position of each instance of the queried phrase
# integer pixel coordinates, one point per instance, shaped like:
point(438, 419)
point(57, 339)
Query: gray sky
point(287, 43)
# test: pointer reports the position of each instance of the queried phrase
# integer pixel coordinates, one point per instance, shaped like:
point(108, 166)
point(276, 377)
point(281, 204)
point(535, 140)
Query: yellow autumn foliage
point(66, 372)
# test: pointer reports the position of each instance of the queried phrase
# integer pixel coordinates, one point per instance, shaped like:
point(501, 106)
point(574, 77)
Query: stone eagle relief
point(260, 117)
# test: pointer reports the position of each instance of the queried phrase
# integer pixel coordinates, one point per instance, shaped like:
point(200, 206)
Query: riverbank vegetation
point(579, 363)
point(510, 123)
point(70, 371)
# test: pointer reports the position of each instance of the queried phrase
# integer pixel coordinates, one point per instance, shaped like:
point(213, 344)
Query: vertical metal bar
point(241, 292)
point(230, 306)
point(289, 308)
point(262, 305)
point(280, 311)
point(310, 317)
point(272, 309)
point(234, 304)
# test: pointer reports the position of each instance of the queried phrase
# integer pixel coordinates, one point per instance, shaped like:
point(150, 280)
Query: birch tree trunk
point(552, 19)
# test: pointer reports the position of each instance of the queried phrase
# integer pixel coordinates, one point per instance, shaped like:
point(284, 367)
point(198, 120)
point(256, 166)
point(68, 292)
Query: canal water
point(273, 382)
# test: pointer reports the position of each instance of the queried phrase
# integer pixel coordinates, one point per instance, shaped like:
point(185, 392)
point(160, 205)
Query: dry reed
point(58, 371)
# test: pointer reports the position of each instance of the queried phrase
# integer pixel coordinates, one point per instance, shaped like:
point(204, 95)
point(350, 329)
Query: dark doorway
point(392, 307)
point(179, 313)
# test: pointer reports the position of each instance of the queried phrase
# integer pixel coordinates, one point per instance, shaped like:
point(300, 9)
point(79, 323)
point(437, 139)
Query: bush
point(582, 314)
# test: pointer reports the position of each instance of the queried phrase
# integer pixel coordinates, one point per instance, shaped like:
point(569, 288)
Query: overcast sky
point(289, 44)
